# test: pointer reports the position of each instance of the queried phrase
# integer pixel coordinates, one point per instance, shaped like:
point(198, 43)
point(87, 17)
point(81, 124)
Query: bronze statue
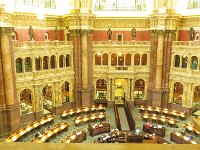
point(191, 34)
point(31, 33)
point(109, 33)
point(55, 34)
point(133, 33)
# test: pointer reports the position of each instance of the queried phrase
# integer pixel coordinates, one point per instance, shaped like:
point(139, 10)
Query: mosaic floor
point(111, 119)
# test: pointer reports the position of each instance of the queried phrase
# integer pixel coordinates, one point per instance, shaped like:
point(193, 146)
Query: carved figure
point(133, 33)
point(191, 34)
point(109, 33)
point(55, 34)
point(31, 33)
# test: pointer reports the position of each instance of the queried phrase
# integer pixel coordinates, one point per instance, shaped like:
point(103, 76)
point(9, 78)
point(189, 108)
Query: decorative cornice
point(193, 21)
point(121, 22)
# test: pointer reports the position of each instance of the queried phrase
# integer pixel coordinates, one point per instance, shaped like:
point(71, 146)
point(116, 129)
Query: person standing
point(31, 33)
point(109, 33)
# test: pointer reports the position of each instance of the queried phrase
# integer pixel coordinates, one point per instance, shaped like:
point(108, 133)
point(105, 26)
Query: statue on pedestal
point(109, 33)
point(55, 34)
point(191, 34)
point(133, 33)
point(31, 33)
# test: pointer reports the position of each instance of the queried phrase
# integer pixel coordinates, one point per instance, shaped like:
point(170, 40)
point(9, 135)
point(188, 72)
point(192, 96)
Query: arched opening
point(46, 36)
point(19, 62)
point(67, 60)
point(176, 61)
point(14, 36)
point(120, 89)
point(101, 89)
point(61, 61)
point(26, 101)
point(144, 59)
point(37, 63)
point(196, 99)
point(194, 62)
point(120, 59)
point(139, 89)
point(184, 61)
point(47, 97)
point(178, 93)
point(105, 59)
point(128, 59)
point(114, 59)
point(45, 63)
point(137, 59)
point(53, 62)
point(65, 92)
point(28, 67)
point(98, 59)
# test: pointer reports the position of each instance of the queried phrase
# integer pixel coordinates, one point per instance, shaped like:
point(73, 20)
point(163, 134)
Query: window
point(119, 37)
point(19, 65)
point(46, 36)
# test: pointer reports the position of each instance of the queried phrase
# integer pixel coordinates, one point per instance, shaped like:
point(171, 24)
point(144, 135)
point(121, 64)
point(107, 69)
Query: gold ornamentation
point(6, 31)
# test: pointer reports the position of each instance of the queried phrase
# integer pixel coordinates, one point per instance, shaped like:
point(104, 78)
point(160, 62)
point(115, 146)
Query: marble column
point(171, 92)
point(38, 103)
point(108, 89)
point(9, 81)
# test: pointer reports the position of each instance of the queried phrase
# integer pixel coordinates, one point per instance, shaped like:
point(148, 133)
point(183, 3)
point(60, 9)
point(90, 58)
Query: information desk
point(77, 137)
point(134, 138)
point(23, 131)
point(178, 138)
point(98, 129)
point(157, 130)
point(51, 132)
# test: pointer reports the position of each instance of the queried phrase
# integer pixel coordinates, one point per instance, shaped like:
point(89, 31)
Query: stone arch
point(178, 93)
point(101, 89)
point(139, 88)
point(26, 101)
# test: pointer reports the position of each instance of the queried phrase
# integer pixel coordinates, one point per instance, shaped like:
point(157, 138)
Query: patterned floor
point(111, 119)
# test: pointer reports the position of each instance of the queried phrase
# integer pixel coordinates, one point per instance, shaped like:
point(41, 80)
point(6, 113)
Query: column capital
point(6, 31)
point(86, 32)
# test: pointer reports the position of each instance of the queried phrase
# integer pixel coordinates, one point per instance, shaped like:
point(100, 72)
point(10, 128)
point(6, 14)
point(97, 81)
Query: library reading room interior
point(99, 71)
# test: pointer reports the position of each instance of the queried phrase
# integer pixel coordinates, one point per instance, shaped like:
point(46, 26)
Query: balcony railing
point(100, 43)
point(186, 43)
point(25, 44)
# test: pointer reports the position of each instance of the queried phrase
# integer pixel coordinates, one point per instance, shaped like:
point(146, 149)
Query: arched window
point(28, 67)
point(67, 60)
point(37, 63)
point(46, 36)
point(14, 36)
point(101, 89)
point(184, 61)
point(53, 62)
point(139, 88)
point(45, 62)
point(105, 59)
point(98, 59)
point(178, 93)
point(65, 92)
point(137, 59)
point(19, 65)
point(128, 59)
point(61, 61)
point(114, 59)
point(176, 61)
point(196, 94)
point(120, 59)
point(194, 62)
point(26, 101)
point(144, 59)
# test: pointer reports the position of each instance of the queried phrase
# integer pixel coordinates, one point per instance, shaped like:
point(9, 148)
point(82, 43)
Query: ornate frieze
point(192, 21)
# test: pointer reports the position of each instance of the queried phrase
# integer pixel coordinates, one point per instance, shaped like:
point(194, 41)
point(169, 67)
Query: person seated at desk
point(190, 137)
point(147, 127)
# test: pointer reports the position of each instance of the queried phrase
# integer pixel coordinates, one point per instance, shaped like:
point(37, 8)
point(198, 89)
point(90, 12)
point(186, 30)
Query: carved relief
point(6, 31)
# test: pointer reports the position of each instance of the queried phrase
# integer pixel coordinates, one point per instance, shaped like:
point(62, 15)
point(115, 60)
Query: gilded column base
point(155, 97)
point(13, 117)
point(60, 109)
point(3, 122)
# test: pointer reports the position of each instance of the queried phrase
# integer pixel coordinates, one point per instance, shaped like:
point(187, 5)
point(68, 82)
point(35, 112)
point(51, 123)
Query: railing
point(186, 43)
point(96, 43)
point(25, 44)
